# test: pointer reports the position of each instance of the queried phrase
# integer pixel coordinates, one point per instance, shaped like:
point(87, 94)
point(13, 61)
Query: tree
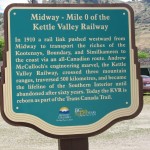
point(33, 1)
point(1, 47)
point(142, 54)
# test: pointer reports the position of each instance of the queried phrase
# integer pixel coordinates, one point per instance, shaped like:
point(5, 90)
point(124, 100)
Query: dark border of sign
point(70, 5)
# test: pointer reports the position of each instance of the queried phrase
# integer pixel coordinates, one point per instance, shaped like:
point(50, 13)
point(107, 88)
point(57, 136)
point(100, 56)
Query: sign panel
point(70, 70)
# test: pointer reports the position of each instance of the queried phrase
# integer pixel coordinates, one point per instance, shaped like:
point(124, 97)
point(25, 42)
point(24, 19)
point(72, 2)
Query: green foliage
point(1, 47)
point(142, 54)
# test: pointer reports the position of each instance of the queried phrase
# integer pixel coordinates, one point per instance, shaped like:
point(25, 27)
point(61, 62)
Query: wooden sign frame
point(77, 131)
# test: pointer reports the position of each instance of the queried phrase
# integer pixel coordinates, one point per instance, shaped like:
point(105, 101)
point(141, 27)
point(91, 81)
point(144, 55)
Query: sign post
point(70, 72)
point(73, 144)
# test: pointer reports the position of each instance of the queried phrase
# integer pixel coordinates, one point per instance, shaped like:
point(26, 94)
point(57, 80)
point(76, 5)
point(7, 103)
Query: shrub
point(142, 54)
point(1, 47)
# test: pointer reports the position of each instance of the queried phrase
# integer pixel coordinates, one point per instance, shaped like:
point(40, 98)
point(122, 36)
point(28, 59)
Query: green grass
point(147, 98)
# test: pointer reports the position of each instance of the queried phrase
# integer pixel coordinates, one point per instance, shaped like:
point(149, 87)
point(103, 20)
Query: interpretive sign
point(70, 70)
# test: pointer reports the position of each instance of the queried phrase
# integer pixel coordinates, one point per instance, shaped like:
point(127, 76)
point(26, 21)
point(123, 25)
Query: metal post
point(73, 144)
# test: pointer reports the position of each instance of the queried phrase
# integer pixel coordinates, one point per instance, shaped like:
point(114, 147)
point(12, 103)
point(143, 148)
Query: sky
point(4, 3)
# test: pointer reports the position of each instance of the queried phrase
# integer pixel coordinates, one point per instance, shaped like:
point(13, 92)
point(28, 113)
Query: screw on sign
point(71, 71)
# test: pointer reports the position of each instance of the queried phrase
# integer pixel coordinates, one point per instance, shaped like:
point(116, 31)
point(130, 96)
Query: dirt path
point(126, 135)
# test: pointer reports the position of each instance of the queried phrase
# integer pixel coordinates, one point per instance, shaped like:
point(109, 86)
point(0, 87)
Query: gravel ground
point(131, 134)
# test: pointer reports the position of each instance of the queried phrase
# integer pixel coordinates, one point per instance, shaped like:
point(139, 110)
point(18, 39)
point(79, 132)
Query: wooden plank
point(73, 144)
